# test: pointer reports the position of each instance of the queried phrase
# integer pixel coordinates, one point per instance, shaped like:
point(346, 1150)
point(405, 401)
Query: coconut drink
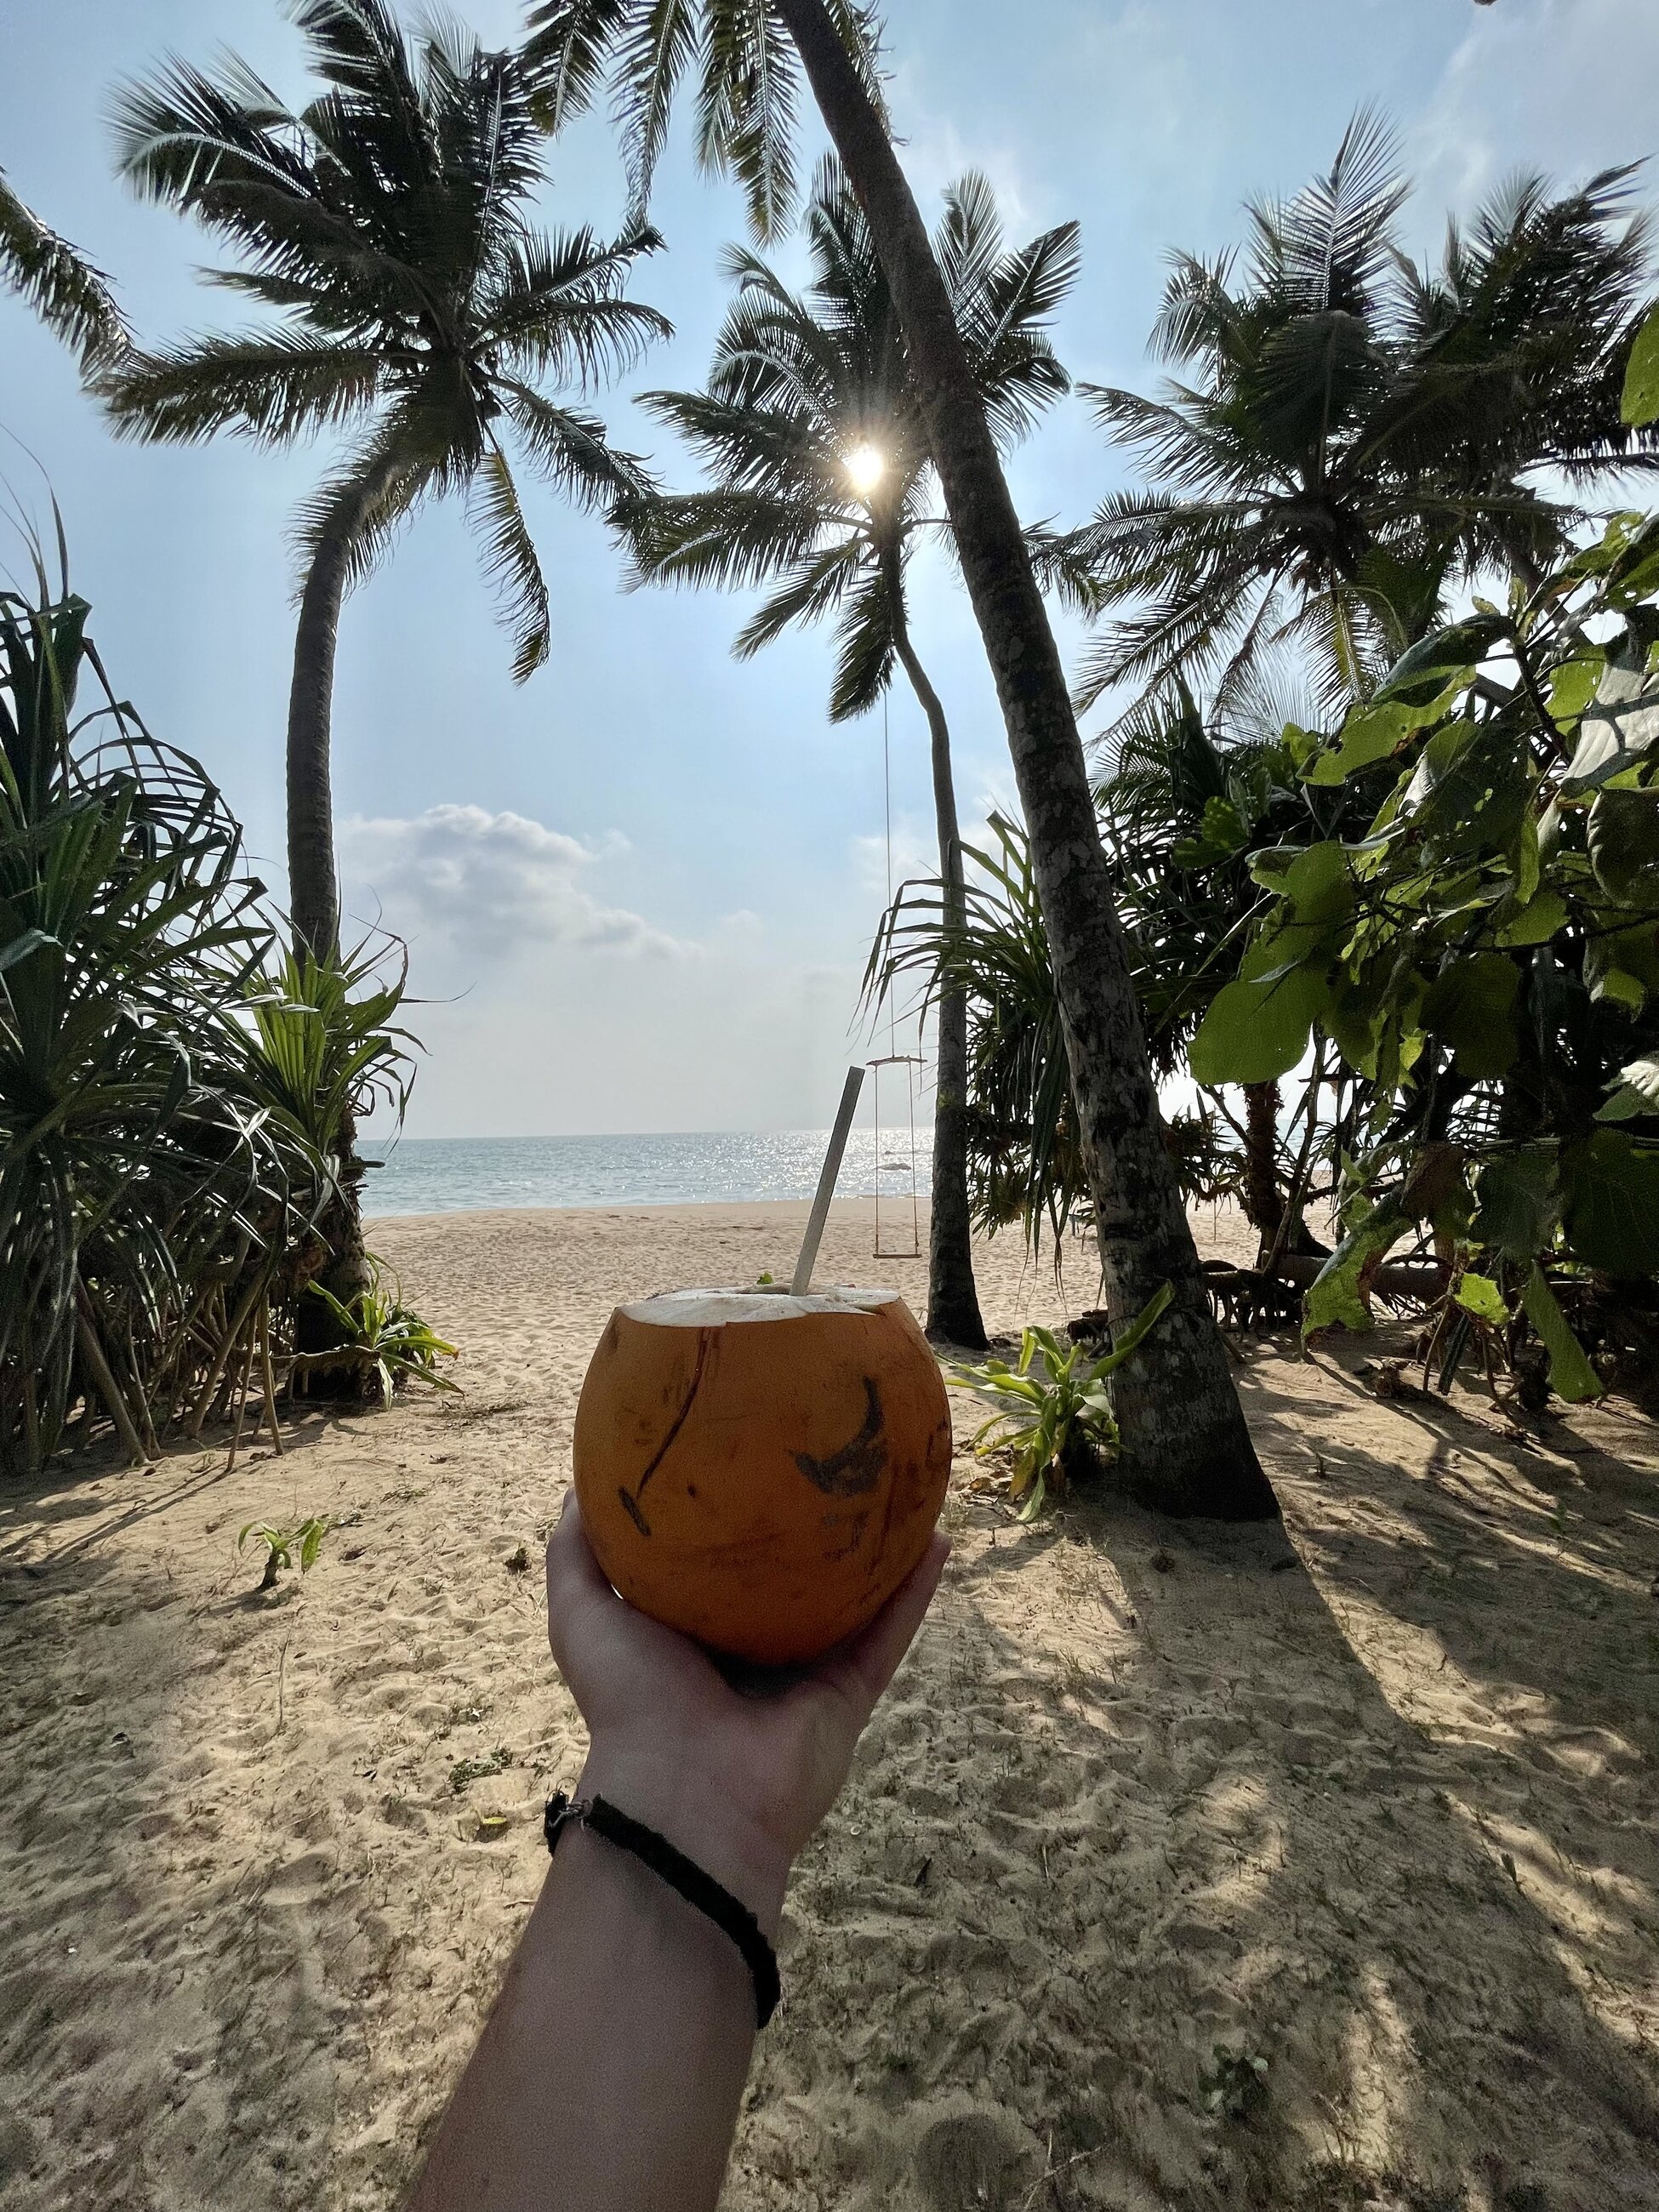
point(761, 1469)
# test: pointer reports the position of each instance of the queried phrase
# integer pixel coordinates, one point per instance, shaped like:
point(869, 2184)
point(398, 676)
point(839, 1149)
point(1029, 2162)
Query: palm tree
point(388, 227)
point(72, 298)
point(1185, 1442)
point(1362, 436)
point(810, 430)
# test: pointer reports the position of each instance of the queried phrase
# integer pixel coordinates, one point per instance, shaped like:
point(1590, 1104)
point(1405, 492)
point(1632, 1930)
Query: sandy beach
point(1306, 1868)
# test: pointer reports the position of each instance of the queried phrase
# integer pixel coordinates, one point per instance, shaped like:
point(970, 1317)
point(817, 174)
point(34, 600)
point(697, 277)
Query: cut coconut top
point(711, 1309)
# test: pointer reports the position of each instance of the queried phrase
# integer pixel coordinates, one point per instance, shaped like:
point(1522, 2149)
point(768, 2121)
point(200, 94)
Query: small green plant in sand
point(466, 1771)
point(1235, 2085)
point(388, 1338)
point(1054, 1411)
point(287, 1548)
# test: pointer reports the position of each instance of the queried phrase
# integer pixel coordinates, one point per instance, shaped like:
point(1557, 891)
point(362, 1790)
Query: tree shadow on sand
point(1153, 1892)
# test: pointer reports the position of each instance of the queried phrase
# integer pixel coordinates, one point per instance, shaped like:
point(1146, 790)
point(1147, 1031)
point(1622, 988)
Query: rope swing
point(892, 1058)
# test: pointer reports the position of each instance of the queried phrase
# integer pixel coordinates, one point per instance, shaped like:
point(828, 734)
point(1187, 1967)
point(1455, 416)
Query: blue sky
point(639, 890)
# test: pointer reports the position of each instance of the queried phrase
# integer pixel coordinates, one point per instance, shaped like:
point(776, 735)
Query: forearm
point(610, 2074)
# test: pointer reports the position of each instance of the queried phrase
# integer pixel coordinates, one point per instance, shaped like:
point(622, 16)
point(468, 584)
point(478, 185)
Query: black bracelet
point(681, 1874)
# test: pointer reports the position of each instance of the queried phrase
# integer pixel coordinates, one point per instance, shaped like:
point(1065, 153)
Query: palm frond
point(733, 540)
point(865, 645)
point(568, 447)
point(272, 387)
point(509, 562)
point(747, 109)
point(818, 586)
point(657, 44)
point(1331, 246)
point(73, 298)
point(554, 306)
point(568, 53)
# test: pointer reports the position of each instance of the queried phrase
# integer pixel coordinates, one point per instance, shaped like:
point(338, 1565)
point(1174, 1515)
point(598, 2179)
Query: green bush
point(171, 1089)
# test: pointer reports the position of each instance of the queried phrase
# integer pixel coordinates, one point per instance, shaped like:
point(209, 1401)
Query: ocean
point(434, 1175)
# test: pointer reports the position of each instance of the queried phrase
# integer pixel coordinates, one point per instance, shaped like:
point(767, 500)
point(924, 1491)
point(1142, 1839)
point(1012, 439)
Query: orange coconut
point(759, 1470)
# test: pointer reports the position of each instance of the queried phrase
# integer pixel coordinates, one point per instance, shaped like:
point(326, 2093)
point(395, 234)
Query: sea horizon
point(442, 1175)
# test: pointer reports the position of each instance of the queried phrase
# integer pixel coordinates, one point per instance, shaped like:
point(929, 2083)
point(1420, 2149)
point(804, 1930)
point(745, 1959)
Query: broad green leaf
point(1623, 846)
point(1528, 861)
point(1620, 729)
point(1471, 1007)
point(1571, 1376)
point(1256, 1030)
point(1471, 787)
point(1596, 560)
point(1610, 1190)
point(1618, 986)
point(1622, 965)
point(1539, 921)
point(1637, 1092)
point(1573, 686)
point(1335, 1298)
point(1480, 1296)
point(1443, 661)
point(1370, 734)
point(1640, 404)
point(1352, 1019)
point(1224, 833)
point(1135, 1332)
point(1517, 1200)
point(1314, 878)
point(1301, 744)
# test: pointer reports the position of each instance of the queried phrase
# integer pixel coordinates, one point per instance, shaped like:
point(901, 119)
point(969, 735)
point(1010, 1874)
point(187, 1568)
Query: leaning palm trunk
point(313, 883)
point(952, 1299)
point(314, 886)
point(1186, 1447)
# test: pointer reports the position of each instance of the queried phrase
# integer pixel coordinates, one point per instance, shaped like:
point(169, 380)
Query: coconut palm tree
point(72, 298)
point(1361, 436)
point(822, 475)
point(1187, 1447)
point(387, 228)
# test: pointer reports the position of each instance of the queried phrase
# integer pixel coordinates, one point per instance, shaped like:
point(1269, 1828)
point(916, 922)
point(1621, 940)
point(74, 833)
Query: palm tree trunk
point(953, 1311)
point(1186, 1447)
point(312, 886)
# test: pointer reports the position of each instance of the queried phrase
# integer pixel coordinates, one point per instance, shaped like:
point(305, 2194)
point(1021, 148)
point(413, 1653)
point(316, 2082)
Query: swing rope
point(911, 1062)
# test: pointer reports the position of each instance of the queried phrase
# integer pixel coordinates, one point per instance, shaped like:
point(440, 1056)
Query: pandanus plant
point(136, 1176)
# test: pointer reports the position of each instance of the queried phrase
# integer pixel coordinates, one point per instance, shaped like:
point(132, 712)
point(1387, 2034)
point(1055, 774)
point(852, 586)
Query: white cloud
point(1564, 86)
point(913, 854)
point(482, 890)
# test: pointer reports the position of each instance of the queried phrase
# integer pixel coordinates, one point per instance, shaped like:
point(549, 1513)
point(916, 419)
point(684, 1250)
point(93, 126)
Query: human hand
point(736, 1782)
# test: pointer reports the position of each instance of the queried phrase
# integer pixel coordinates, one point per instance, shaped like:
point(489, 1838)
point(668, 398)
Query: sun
point(866, 468)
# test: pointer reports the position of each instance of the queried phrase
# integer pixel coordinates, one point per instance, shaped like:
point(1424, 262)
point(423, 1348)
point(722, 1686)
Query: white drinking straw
point(832, 1160)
